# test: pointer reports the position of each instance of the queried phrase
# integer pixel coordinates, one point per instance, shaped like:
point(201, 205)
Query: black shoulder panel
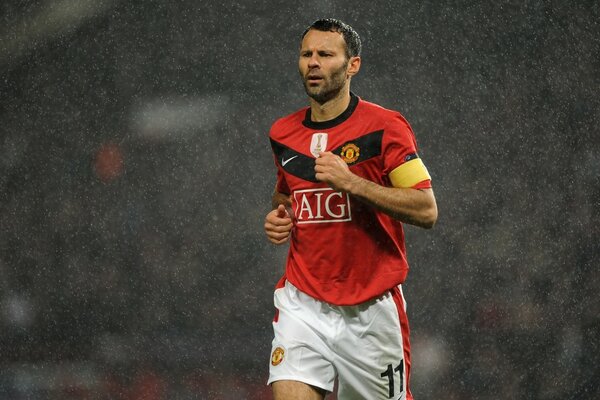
point(368, 146)
point(293, 162)
point(363, 148)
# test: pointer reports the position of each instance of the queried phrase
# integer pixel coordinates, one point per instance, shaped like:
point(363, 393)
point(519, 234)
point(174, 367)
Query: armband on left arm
point(409, 174)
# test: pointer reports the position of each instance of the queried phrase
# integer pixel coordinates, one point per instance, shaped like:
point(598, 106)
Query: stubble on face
point(331, 86)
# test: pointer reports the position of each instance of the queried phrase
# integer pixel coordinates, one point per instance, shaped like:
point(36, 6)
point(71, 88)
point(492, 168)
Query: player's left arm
point(412, 206)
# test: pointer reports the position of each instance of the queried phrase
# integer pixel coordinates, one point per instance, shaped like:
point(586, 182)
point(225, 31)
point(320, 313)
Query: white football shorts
point(365, 346)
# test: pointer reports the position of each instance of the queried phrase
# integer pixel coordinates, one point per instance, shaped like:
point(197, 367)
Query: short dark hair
point(353, 44)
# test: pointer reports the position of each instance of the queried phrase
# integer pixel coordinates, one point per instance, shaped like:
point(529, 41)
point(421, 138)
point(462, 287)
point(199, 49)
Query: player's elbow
point(428, 216)
point(429, 211)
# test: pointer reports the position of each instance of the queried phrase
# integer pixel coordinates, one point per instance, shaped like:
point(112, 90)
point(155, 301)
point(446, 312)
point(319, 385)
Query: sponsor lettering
point(321, 205)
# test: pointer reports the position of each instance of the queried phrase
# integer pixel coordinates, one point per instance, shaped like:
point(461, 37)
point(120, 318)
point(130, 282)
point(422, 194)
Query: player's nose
point(314, 61)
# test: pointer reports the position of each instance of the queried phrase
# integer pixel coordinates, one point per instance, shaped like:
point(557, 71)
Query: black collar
point(332, 122)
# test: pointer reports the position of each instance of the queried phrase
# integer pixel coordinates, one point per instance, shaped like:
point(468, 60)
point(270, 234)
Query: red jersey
point(343, 251)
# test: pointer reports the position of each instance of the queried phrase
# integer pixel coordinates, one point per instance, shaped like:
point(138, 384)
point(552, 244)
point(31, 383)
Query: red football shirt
point(343, 251)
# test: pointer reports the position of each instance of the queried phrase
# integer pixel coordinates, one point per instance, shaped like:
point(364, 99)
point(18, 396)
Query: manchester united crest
point(277, 356)
point(350, 153)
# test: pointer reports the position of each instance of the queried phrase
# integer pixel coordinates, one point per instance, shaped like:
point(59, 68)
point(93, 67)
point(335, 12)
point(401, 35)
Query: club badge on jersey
point(318, 143)
point(350, 153)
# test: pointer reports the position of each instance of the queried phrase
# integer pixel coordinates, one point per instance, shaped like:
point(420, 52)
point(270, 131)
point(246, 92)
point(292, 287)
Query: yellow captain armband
point(409, 174)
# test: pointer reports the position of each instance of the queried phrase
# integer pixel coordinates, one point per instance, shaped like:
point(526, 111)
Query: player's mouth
point(314, 79)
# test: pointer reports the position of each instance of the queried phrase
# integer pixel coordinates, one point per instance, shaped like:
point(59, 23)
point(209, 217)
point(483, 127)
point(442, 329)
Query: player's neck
point(330, 109)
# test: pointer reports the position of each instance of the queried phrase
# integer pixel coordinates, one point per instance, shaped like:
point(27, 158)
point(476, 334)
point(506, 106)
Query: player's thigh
point(294, 390)
point(299, 350)
point(374, 361)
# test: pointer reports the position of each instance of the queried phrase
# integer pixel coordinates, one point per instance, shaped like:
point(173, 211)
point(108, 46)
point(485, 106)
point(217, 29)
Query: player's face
point(323, 64)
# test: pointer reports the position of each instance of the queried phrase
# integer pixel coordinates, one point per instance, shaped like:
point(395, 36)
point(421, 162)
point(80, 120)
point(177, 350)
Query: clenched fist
point(332, 170)
point(278, 225)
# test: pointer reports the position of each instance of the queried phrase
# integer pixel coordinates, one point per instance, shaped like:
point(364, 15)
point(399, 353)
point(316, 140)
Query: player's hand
point(334, 171)
point(278, 225)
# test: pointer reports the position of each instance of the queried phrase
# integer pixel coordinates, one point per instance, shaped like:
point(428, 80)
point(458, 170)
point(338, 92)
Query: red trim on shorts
point(405, 330)
point(280, 284)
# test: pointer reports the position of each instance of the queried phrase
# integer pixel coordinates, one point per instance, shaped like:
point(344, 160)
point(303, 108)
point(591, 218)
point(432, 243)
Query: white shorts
point(365, 346)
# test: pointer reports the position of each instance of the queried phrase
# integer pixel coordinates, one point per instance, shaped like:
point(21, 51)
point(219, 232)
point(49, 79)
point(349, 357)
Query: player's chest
point(345, 142)
point(296, 152)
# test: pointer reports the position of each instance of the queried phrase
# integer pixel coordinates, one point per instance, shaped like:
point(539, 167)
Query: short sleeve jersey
point(343, 251)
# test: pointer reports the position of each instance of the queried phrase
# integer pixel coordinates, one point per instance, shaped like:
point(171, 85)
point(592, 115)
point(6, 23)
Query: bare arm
point(280, 198)
point(412, 206)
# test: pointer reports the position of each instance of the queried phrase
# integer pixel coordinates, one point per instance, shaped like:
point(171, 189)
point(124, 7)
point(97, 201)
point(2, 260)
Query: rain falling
point(136, 173)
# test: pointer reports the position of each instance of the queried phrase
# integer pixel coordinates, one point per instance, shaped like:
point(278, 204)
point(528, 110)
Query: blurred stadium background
point(135, 173)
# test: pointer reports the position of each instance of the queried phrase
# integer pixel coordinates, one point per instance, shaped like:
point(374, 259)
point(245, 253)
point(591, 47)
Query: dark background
point(135, 173)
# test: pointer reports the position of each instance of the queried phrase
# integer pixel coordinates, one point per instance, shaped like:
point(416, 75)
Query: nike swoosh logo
point(283, 162)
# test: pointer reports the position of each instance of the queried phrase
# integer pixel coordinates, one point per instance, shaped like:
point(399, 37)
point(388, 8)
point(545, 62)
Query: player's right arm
point(278, 222)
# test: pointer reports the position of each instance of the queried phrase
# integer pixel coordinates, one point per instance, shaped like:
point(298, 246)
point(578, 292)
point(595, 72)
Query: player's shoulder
point(379, 111)
point(391, 121)
point(291, 120)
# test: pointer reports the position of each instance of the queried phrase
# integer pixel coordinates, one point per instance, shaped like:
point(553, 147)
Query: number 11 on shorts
point(390, 372)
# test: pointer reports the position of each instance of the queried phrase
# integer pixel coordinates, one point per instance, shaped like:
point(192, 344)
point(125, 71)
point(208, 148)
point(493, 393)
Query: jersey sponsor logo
point(350, 153)
point(318, 143)
point(277, 356)
point(321, 205)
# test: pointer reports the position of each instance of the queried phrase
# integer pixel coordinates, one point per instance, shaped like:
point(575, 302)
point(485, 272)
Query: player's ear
point(353, 66)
